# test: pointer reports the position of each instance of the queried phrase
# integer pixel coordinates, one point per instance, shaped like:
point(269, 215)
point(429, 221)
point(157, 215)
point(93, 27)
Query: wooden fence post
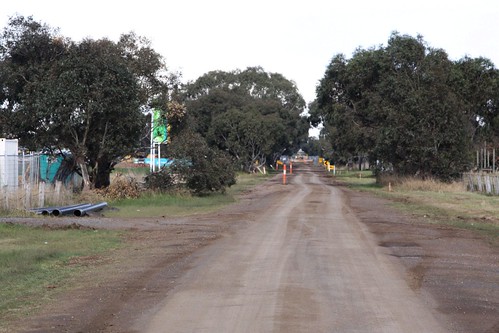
point(5, 200)
point(58, 185)
point(488, 185)
point(471, 182)
point(27, 197)
point(41, 194)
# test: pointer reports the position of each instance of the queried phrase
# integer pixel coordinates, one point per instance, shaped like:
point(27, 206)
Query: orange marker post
point(290, 168)
point(284, 175)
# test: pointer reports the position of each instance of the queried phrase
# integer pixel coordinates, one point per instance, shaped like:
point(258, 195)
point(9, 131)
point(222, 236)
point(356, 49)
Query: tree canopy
point(87, 97)
point(408, 107)
point(251, 114)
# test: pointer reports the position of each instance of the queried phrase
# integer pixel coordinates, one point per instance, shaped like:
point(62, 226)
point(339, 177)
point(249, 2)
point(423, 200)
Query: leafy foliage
point(251, 114)
point(87, 97)
point(407, 106)
point(477, 83)
point(245, 135)
point(160, 181)
point(203, 169)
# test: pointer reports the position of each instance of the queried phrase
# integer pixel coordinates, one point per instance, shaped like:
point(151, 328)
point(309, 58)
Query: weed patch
point(33, 260)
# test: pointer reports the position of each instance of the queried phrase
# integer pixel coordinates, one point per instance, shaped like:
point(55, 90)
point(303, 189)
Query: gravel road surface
point(304, 265)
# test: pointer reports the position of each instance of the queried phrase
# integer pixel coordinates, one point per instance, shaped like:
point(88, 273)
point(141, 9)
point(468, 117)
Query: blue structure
point(161, 162)
point(48, 167)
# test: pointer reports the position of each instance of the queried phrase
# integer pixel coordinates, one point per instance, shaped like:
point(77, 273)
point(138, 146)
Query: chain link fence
point(27, 181)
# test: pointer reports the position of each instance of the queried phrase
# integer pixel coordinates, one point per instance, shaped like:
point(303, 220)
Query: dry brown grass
point(410, 184)
point(431, 185)
point(89, 196)
point(122, 187)
point(442, 202)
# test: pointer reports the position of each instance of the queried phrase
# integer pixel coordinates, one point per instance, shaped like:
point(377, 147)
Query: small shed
point(9, 166)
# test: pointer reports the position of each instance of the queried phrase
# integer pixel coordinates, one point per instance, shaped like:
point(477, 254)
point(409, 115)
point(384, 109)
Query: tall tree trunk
point(102, 174)
point(87, 184)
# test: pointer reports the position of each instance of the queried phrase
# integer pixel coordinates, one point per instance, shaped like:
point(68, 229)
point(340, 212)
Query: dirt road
point(305, 265)
point(305, 257)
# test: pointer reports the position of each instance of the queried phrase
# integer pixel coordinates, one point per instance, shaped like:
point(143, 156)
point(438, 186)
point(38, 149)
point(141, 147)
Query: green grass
point(246, 181)
point(434, 202)
point(154, 205)
point(34, 261)
point(462, 209)
point(362, 180)
point(38, 263)
point(182, 204)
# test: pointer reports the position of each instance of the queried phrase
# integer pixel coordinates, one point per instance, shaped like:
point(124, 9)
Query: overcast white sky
point(294, 38)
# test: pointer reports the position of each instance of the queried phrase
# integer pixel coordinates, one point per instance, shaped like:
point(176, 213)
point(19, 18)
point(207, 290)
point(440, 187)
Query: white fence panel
point(487, 183)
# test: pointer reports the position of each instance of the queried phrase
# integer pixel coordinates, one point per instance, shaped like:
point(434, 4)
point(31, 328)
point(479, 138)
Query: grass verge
point(182, 204)
point(434, 202)
point(35, 263)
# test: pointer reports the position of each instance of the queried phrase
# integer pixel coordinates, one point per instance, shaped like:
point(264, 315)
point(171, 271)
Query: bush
point(161, 181)
point(204, 169)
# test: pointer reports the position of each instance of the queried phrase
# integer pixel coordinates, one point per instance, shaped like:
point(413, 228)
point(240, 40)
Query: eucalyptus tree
point(87, 97)
point(28, 49)
point(407, 106)
point(476, 80)
point(247, 135)
point(252, 114)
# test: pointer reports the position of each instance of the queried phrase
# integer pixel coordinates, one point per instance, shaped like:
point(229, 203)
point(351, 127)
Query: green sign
point(159, 124)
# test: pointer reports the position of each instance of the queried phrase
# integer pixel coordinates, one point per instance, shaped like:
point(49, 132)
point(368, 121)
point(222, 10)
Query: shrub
point(161, 181)
point(204, 169)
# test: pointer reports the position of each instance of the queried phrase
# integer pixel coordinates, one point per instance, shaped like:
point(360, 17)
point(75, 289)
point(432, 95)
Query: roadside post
point(331, 167)
point(284, 174)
